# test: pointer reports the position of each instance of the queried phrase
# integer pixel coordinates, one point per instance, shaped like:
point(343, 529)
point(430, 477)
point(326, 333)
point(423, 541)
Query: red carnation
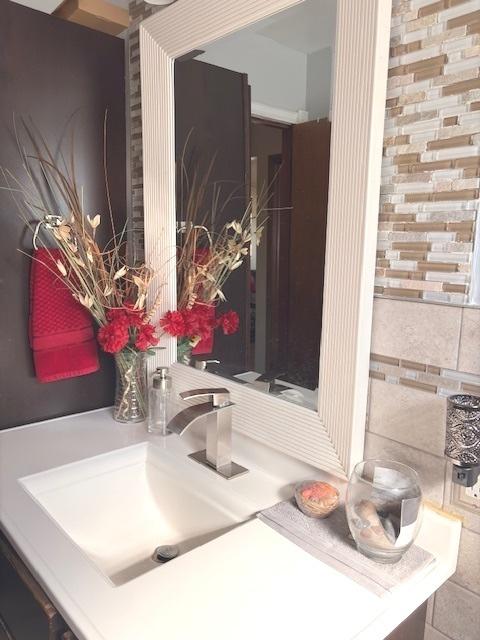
point(146, 337)
point(117, 316)
point(126, 315)
point(173, 323)
point(190, 319)
point(113, 337)
point(135, 316)
point(229, 322)
point(199, 320)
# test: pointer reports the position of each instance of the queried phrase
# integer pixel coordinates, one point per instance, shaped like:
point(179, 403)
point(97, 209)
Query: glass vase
point(384, 508)
point(131, 389)
point(184, 351)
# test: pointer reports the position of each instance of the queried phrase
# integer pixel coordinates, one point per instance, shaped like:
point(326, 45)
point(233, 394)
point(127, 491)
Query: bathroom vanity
point(234, 572)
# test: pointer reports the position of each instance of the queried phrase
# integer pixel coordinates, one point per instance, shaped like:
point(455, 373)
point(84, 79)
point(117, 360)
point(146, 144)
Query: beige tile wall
point(422, 353)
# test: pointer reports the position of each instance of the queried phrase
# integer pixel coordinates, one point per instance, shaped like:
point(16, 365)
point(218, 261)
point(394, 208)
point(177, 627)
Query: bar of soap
point(316, 499)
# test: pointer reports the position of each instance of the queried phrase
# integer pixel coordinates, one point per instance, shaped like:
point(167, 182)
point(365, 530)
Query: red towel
point(205, 346)
point(61, 331)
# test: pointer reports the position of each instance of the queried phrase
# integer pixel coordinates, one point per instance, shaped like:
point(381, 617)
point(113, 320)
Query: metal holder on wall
point(462, 441)
point(50, 221)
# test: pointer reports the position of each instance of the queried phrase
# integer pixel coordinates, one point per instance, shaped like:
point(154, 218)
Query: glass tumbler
point(384, 508)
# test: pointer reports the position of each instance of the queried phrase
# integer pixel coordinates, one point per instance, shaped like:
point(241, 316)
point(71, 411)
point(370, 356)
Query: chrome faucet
point(218, 412)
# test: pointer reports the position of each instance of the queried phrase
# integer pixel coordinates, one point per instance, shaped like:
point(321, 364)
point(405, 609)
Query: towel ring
point(50, 221)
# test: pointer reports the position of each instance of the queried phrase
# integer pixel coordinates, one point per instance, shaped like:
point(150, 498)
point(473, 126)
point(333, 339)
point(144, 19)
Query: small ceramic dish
point(316, 499)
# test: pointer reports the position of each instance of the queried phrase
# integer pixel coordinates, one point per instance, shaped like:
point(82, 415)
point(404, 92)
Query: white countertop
point(249, 583)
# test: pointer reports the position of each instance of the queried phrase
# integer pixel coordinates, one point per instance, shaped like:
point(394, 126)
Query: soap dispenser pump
point(159, 402)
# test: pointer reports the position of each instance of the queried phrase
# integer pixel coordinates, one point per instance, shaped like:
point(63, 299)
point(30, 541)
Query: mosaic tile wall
point(138, 11)
point(422, 353)
point(427, 377)
point(431, 164)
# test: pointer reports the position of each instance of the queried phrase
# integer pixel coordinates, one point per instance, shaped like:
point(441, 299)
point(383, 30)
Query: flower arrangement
point(99, 278)
point(192, 326)
point(127, 328)
point(208, 253)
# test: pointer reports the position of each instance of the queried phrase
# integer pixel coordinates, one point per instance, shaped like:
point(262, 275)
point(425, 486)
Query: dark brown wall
point(49, 70)
point(212, 111)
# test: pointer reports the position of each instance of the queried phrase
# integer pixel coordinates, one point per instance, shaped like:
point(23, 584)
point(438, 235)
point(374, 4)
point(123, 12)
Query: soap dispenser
point(159, 402)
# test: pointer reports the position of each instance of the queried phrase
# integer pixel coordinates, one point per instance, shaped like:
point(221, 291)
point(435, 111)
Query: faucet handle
point(219, 396)
point(202, 364)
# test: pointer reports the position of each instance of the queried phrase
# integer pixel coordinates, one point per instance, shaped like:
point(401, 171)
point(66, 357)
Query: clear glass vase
point(184, 351)
point(384, 508)
point(131, 389)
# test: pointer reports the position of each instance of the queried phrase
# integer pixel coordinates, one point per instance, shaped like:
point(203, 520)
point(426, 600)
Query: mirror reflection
point(253, 118)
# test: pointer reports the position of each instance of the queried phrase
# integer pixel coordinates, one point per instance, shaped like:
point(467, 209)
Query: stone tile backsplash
point(469, 354)
point(457, 612)
point(408, 415)
point(439, 326)
point(138, 10)
point(430, 176)
point(426, 251)
point(430, 468)
point(422, 353)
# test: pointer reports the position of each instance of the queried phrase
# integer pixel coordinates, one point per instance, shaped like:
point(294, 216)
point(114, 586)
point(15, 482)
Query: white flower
point(94, 222)
point(79, 261)
point(120, 273)
point(86, 300)
point(235, 225)
point(140, 303)
point(61, 268)
point(139, 282)
point(62, 232)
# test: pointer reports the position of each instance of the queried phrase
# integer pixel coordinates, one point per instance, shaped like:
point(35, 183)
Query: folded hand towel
point(61, 331)
point(329, 541)
point(205, 346)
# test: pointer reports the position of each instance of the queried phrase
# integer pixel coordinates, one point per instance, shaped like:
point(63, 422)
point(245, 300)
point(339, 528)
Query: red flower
point(117, 316)
point(173, 323)
point(146, 337)
point(135, 316)
point(229, 322)
point(113, 337)
point(199, 320)
point(126, 315)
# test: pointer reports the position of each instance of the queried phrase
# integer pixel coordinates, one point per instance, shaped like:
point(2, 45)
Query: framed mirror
point(252, 144)
point(262, 167)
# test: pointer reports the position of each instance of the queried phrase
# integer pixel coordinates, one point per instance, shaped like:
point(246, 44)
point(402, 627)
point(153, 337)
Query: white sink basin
point(118, 507)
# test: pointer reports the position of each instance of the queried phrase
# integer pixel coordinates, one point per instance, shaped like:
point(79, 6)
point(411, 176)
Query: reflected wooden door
point(278, 265)
point(308, 225)
point(212, 111)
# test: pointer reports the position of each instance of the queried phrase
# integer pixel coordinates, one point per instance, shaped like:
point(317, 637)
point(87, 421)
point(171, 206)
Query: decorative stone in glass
point(384, 508)
point(131, 390)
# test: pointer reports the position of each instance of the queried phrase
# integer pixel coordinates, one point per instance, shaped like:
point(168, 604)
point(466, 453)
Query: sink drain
point(165, 553)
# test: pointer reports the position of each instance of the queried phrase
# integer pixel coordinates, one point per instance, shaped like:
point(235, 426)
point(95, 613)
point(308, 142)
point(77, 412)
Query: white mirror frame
point(332, 438)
